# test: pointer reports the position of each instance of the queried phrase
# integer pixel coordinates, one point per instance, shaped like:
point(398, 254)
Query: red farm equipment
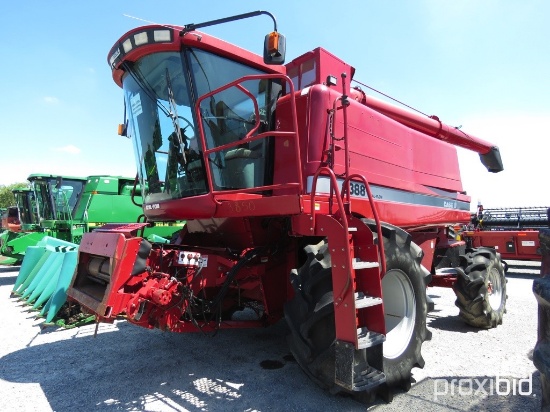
point(11, 219)
point(512, 231)
point(286, 169)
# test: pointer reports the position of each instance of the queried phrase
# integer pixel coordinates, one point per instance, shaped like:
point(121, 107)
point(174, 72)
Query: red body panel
point(385, 151)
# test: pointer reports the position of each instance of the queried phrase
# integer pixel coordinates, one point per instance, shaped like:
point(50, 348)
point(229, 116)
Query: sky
point(483, 65)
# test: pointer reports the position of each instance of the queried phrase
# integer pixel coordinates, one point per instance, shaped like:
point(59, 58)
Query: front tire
point(480, 288)
point(310, 317)
point(405, 306)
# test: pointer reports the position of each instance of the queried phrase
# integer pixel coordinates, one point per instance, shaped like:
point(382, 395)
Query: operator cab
point(26, 203)
point(162, 90)
point(202, 116)
point(56, 196)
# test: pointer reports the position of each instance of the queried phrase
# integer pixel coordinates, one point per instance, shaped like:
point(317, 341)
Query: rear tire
point(480, 288)
point(310, 314)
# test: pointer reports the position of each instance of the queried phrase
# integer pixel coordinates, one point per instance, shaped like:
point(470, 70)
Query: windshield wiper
point(146, 87)
point(173, 113)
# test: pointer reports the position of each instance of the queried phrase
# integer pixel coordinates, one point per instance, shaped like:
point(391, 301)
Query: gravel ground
point(128, 368)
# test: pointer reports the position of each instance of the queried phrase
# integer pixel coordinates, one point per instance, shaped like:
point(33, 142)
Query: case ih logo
point(449, 204)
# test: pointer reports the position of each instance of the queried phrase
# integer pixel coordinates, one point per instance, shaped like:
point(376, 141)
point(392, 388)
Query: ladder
point(358, 306)
point(358, 264)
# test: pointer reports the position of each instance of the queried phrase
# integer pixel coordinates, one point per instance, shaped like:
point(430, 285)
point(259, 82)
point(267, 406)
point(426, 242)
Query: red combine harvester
point(512, 231)
point(286, 169)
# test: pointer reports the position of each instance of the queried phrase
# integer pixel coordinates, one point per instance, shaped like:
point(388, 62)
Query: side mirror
point(122, 130)
point(274, 48)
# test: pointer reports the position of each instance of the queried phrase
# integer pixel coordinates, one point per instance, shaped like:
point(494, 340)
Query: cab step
point(367, 338)
point(359, 264)
point(369, 379)
point(352, 370)
point(365, 301)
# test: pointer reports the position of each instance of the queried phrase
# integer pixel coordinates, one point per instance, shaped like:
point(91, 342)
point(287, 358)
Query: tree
point(7, 198)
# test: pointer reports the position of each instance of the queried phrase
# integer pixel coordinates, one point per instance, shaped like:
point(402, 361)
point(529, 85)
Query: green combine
point(28, 212)
point(45, 210)
point(66, 207)
point(111, 199)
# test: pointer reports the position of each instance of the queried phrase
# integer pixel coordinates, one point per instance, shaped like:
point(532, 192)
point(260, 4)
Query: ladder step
point(358, 264)
point(367, 338)
point(368, 379)
point(365, 301)
point(352, 370)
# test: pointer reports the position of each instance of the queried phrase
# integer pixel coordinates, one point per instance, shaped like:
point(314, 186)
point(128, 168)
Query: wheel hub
point(400, 312)
point(494, 289)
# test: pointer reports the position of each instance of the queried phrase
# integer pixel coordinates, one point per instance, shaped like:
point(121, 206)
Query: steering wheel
point(189, 124)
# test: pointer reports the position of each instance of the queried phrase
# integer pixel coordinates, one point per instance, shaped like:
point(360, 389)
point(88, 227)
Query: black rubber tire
point(310, 314)
point(481, 277)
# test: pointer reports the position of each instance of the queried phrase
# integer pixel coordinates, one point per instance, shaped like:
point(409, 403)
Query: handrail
point(345, 187)
point(346, 183)
point(247, 140)
point(344, 222)
point(340, 201)
point(293, 135)
point(133, 194)
point(334, 184)
point(253, 190)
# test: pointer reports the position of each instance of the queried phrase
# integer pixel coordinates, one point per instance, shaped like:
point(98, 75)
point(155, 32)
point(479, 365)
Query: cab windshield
point(57, 198)
point(161, 91)
point(26, 203)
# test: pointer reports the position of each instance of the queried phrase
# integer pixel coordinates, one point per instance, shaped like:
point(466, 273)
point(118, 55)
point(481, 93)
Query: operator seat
point(241, 163)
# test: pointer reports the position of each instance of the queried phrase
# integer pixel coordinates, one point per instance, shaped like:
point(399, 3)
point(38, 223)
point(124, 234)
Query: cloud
point(68, 149)
point(50, 100)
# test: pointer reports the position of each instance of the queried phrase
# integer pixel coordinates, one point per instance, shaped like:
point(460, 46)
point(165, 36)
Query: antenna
point(168, 26)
